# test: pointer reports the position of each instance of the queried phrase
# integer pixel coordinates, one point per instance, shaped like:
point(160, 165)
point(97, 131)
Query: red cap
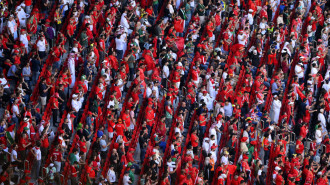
point(150, 103)
point(61, 131)
point(72, 116)
point(90, 113)
point(244, 139)
point(245, 157)
point(57, 95)
point(204, 92)
point(320, 40)
point(28, 178)
point(22, 45)
point(254, 142)
point(27, 171)
point(213, 146)
point(37, 109)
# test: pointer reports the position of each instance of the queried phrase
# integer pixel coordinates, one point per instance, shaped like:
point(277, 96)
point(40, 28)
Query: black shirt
point(35, 65)
point(43, 87)
point(62, 96)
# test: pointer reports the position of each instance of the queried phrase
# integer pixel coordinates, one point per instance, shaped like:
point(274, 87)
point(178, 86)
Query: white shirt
point(326, 86)
point(41, 128)
point(166, 71)
point(263, 27)
point(13, 153)
point(37, 152)
point(12, 25)
point(15, 110)
point(224, 160)
point(3, 82)
point(41, 45)
point(111, 176)
point(124, 22)
point(250, 18)
point(297, 69)
point(76, 104)
point(154, 88)
point(171, 166)
point(120, 44)
point(24, 40)
point(126, 180)
point(149, 91)
point(318, 136)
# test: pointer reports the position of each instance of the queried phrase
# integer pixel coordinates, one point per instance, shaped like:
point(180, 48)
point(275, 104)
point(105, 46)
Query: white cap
point(74, 96)
point(51, 164)
point(277, 168)
point(250, 10)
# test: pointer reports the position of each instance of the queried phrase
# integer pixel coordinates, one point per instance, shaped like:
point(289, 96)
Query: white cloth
point(41, 45)
point(297, 69)
point(111, 176)
point(21, 16)
point(12, 155)
point(23, 38)
point(120, 44)
point(211, 89)
point(37, 152)
point(224, 160)
point(166, 71)
point(318, 136)
point(12, 27)
point(275, 110)
point(72, 69)
point(321, 118)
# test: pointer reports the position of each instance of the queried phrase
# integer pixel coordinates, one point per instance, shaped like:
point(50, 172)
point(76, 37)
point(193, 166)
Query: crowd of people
point(164, 92)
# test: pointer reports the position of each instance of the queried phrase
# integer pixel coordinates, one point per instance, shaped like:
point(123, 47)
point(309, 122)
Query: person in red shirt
point(120, 128)
point(74, 173)
point(299, 145)
point(125, 117)
point(70, 31)
point(90, 173)
point(150, 116)
point(57, 158)
point(54, 106)
point(23, 145)
point(194, 141)
point(279, 178)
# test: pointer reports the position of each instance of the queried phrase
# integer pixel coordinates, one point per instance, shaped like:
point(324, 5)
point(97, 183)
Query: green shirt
point(200, 9)
point(188, 9)
point(131, 176)
point(72, 158)
point(83, 40)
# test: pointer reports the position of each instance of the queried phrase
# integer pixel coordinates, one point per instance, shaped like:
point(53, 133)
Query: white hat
point(74, 96)
point(51, 164)
point(26, 119)
point(250, 10)
point(223, 175)
point(277, 168)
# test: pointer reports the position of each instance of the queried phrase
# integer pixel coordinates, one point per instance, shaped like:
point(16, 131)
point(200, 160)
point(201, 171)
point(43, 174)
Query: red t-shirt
point(28, 2)
point(57, 156)
point(194, 140)
point(70, 30)
point(120, 129)
point(301, 147)
point(82, 146)
point(73, 171)
point(21, 143)
point(125, 117)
